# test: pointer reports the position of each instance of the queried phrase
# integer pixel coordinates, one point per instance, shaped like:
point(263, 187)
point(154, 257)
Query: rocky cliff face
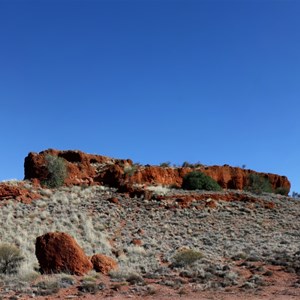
point(96, 169)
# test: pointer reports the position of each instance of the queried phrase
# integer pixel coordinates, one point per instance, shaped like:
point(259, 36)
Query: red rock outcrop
point(18, 192)
point(58, 252)
point(103, 263)
point(226, 176)
point(82, 168)
point(96, 169)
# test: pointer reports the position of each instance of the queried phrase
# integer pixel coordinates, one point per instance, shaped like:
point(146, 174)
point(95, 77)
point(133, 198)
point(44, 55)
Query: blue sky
point(210, 81)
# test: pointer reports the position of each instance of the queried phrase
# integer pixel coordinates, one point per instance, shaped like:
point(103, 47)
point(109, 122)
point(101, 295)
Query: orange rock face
point(81, 167)
point(226, 176)
point(58, 252)
point(103, 263)
point(236, 178)
point(159, 175)
point(96, 169)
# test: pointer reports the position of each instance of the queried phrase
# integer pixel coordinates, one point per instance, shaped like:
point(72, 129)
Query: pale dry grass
point(158, 189)
point(21, 224)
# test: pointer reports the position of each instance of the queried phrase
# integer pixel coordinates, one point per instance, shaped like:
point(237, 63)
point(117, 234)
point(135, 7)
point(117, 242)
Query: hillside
point(168, 242)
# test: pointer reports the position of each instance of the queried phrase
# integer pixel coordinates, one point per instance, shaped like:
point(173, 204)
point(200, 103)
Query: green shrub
point(57, 171)
point(258, 184)
point(199, 181)
point(186, 257)
point(282, 191)
point(10, 259)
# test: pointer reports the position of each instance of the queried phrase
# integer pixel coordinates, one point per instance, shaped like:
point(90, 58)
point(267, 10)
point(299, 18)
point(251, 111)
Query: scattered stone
point(114, 200)
point(137, 242)
point(103, 264)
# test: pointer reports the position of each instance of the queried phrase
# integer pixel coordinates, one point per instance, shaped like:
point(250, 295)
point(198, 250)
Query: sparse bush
point(186, 257)
point(48, 286)
point(282, 191)
point(66, 280)
point(158, 190)
point(130, 170)
point(186, 164)
point(57, 171)
point(118, 275)
point(258, 184)
point(166, 164)
point(199, 181)
point(90, 285)
point(135, 279)
point(10, 259)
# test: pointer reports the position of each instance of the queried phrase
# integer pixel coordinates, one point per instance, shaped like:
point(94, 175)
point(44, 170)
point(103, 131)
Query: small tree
point(199, 181)
point(282, 191)
point(10, 259)
point(57, 171)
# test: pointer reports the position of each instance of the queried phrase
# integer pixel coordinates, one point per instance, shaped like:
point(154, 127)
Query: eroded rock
point(58, 252)
point(123, 174)
point(104, 264)
point(17, 192)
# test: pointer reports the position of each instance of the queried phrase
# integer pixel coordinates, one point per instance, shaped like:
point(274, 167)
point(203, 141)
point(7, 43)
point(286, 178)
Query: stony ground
point(244, 248)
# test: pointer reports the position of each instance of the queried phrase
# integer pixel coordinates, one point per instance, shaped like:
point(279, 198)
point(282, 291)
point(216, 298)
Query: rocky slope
point(245, 241)
point(157, 242)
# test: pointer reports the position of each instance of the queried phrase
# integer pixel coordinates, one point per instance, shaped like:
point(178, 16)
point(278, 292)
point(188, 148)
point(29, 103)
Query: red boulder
point(103, 263)
point(58, 252)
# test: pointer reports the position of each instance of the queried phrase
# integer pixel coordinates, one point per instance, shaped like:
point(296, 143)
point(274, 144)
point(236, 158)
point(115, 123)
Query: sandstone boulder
point(58, 252)
point(103, 263)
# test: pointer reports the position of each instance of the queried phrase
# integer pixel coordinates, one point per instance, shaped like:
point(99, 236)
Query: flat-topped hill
point(92, 169)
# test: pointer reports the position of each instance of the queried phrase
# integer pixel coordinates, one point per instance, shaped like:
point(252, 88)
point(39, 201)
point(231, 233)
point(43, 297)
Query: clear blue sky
point(210, 81)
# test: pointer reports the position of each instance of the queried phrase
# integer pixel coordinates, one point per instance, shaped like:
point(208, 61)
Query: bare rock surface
point(18, 192)
point(58, 252)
